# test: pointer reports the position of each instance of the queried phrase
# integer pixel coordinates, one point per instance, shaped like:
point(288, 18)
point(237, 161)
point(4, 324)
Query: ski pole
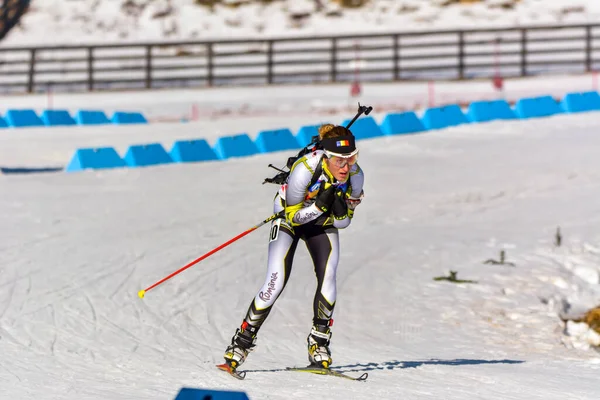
point(141, 293)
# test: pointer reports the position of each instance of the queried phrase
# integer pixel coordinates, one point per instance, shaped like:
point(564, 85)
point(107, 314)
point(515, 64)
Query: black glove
point(339, 206)
point(324, 199)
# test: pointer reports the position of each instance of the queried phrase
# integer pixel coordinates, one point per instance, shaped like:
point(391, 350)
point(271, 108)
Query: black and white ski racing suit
point(303, 220)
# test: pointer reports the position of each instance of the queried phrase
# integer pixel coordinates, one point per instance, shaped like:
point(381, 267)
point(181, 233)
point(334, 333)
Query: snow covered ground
point(93, 21)
point(76, 248)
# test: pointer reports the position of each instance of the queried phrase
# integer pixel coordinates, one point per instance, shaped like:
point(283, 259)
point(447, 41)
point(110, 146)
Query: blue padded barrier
point(147, 154)
point(235, 146)
point(401, 123)
point(22, 118)
point(121, 117)
point(95, 158)
point(57, 118)
point(364, 128)
point(203, 394)
point(305, 134)
point(90, 117)
point(580, 102)
point(192, 151)
point(592, 99)
point(3, 123)
point(276, 140)
point(484, 111)
point(443, 117)
point(536, 107)
point(500, 109)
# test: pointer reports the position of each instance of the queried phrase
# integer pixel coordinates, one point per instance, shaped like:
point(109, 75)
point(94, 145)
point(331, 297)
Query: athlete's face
point(340, 173)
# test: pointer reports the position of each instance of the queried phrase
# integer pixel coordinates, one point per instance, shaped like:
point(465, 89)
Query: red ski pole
point(141, 293)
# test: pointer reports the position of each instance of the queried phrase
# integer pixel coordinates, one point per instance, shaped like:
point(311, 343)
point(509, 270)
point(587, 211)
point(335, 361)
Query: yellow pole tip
point(141, 293)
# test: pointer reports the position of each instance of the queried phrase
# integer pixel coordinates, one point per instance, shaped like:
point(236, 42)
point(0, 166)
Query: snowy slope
point(76, 248)
point(93, 21)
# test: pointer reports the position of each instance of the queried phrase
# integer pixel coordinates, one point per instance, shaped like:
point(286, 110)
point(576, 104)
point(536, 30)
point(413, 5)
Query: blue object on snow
point(401, 123)
point(91, 117)
point(22, 118)
point(144, 155)
point(276, 140)
point(484, 111)
point(443, 117)
point(364, 128)
point(121, 117)
point(306, 133)
point(235, 146)
point(192, 151)
point(580, 102)
point(536, 107)
point(204, 394)
point(57, 118)
point(95, 158)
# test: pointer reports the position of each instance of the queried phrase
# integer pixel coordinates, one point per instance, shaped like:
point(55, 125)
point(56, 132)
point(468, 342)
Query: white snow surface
point(51, 22)
point(75, 249)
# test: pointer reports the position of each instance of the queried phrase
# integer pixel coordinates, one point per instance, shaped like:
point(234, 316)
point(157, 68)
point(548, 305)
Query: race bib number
point(275, 225)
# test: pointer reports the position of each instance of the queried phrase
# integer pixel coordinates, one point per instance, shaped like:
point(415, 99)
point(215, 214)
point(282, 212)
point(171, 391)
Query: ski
point(327, 371)
point(238, 375)
point(310, 369)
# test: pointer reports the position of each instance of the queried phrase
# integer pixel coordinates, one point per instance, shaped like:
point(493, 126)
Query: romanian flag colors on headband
point(340, 144)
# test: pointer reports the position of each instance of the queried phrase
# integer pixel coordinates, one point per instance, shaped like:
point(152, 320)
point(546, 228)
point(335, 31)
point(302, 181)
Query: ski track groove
point(53, 344)
point(136, 339)
point(12, 373)
point(134, 264)
point(199, 329)
point(75, 290)
point(158, 319)
point(177, 333)
point(31, 242)
point(15, 280)
point(120, 285)
point(8, 335)
point(117, 328)
point(93, 311)
point(31, 348)
point(9, 301)
point(210, 323)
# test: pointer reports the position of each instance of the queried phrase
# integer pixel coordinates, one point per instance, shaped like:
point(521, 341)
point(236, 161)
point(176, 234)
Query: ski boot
point(318, 346)
point(242, 343)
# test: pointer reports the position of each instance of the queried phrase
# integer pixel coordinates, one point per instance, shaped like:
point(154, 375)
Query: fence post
point(588, 48)
point(4, 14)
point(90, 68)
point(333, 59)
point(270, 62)
point(461, 55)
point(523, 52)
point(209, 64)
point(396, 57)
point(30, 83)
point(148, 66)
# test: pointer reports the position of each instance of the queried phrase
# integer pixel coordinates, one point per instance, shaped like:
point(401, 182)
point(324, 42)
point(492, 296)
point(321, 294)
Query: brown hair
point(330, 131)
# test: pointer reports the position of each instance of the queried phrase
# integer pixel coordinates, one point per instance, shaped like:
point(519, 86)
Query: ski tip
point(224, 367)
point(141, 294)
point(231, 371)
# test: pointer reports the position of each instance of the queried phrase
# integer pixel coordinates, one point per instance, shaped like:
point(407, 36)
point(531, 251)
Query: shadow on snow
point(389, 365)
